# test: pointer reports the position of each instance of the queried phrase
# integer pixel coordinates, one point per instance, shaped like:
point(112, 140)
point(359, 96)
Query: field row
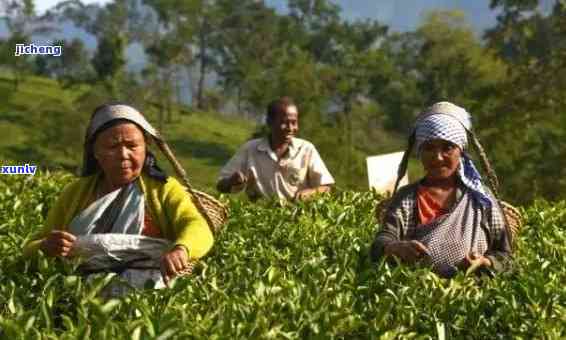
point(297, 271)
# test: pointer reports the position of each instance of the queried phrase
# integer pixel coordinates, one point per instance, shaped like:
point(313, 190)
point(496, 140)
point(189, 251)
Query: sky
point(42, 5)
point(406, 15)
point(400, 15)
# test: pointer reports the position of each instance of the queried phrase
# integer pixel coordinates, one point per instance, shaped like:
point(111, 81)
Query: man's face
point(285, 125)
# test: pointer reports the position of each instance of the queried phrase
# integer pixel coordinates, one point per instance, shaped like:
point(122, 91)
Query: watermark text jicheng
point(18, 169)
point(23, 49)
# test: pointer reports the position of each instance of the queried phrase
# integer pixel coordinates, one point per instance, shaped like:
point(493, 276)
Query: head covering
point(108, 113)
point(102, 119)
point(450, 122)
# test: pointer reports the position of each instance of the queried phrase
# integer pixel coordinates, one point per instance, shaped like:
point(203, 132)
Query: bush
point(295, 271)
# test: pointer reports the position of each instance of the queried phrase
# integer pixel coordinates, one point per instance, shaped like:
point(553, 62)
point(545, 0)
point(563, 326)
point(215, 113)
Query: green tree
point(18, 65)
point(531, 110)
point(354, 62)
point(397, 90)
point(167, 39)
point(453, 65)
point(18, 16)
point(247, 42)
point(114, 26)
point(109, 60)
point(192, 24)
point(72, 67)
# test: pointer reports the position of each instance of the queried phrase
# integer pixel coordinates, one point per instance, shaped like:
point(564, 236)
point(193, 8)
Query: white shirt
point(300, 168)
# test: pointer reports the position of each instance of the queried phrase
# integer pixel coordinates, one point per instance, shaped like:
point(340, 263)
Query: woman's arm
point(55, 221)
point(389, 243)
point(390, 240)
point(189, 227)
point(389, 234)
point(499, 251)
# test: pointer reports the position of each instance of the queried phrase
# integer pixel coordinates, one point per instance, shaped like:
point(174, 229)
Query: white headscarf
point(120, 111)
point(450, 122)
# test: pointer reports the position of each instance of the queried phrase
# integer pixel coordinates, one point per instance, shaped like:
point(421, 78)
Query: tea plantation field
point(294, 272)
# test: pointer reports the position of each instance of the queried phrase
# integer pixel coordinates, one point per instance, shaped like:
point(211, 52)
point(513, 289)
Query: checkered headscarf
point(449, 122)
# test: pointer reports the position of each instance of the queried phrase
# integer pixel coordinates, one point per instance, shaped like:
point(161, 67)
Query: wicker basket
point(513, 218)
point(214, 211)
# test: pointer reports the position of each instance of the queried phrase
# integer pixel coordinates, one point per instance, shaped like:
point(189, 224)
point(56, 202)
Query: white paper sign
point(382, 171)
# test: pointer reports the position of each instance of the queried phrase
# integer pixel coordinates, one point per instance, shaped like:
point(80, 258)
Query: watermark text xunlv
point(18, 169)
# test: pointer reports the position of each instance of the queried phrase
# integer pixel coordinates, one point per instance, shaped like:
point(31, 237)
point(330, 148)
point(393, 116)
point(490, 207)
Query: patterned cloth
point(461, 228)
point(451, 237)
point(449, 122)
point(134, 259)
point(109, 240)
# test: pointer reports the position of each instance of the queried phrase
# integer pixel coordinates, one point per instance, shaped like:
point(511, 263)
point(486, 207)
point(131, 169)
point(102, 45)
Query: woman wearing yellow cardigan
point(124, 215)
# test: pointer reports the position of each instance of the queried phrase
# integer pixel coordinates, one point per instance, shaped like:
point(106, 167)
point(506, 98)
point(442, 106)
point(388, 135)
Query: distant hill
point(38, 126)
point(203, 141)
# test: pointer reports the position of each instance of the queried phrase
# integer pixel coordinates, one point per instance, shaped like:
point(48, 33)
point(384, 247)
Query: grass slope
point(43, 124)
point(203, 141)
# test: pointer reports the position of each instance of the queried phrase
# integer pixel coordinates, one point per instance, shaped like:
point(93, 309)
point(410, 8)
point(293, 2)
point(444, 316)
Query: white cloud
point(43, 5)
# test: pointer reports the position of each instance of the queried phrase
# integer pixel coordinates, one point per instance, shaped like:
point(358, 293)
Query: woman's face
point(120, 151)
point(440, 159)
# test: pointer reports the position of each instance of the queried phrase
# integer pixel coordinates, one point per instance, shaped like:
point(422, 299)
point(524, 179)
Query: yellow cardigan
point(169, 205)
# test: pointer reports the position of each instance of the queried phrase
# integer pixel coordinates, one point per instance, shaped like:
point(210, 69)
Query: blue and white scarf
point(449, 122)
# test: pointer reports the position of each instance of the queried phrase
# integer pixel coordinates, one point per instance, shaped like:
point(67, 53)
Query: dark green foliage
point(295, 271)
point(109, 59)
point(20, 65)
point(529, 113)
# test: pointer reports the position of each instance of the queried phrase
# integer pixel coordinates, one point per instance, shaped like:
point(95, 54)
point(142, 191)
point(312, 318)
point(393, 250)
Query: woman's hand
point(174, 263)
point(474, 262)
point(407, 251)
point(58, 243)
point(238, 179)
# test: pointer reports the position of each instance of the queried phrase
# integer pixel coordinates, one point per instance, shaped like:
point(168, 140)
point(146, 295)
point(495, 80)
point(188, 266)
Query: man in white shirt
point(279, 165)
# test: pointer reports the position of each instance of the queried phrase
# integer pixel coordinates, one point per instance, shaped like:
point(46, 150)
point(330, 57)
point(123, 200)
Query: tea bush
point(298, 271)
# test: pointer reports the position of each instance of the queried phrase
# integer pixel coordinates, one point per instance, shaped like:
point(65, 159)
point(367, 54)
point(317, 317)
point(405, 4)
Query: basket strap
point(493, 182)
point(402, 170)
point(491, 175)
point(164, 147)
point(383, 206)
